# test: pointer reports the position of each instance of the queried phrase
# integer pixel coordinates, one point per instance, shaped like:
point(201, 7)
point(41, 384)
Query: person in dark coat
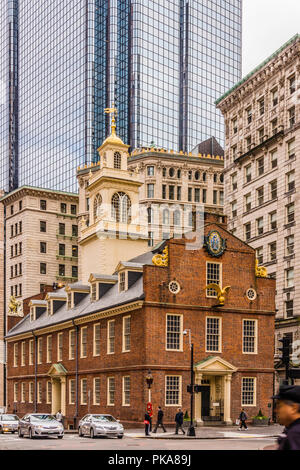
point(243, 418)
point(147, 423)
point(159, 421)
point(288, 414)
point(179, 421)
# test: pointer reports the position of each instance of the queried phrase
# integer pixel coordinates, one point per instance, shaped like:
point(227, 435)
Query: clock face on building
point(215, 244)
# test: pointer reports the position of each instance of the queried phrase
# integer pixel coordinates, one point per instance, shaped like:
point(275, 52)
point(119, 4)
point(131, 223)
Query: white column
point(198, 414)
point(227, 399)
point(63, 395)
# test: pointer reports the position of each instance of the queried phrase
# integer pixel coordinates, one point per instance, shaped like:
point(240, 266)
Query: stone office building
point(88, 347)
point(262, 117)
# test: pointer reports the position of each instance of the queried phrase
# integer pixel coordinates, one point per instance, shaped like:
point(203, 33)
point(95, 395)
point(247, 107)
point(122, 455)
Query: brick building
point(88, 348)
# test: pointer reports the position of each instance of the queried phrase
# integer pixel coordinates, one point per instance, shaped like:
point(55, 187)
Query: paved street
point(226, 440)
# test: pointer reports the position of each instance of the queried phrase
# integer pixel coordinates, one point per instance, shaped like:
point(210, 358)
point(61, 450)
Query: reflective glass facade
point(162, 62)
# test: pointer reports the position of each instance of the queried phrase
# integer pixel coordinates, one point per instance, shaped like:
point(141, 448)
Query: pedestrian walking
point(59, 416)
point(179, 421)
point(243, 418)
point(288, 414)
point(159, 421)
point(147, 423)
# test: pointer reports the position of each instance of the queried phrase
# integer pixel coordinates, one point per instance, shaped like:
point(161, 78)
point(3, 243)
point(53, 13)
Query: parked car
point(40, 424)
point(8, 423)
point(100, 425)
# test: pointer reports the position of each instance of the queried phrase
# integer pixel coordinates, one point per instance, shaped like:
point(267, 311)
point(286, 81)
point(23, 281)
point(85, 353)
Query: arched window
point(221, 178)
point(171, 172)
point(97, 206)
point(204, 176)
point(177, 217)
point(166, 217)
point(178, 174)
point(120, 207)
point(215, 177)
point(150, 215)
point(197, 175)
point(117, 160)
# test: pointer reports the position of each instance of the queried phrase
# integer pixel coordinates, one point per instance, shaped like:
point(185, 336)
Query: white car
point(100, 425)
point(8, 423)
point(40, 424)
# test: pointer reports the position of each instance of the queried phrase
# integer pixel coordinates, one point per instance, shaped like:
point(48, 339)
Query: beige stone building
point(262, 173)
point(41, 240)
point(174, 184)
point(110, 225)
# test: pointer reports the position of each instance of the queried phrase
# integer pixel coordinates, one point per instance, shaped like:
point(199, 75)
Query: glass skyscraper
point(163, 63)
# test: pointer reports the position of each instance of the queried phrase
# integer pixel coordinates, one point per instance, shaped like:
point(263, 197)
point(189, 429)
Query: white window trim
point(30, 397)
point(49, 360)
point(94, 339)
point(70, 333)
point(16, 345)
point(221, 278)
point(23, 359)
point(179, 405)
point(70, 394)
point(123, 334)
point(220, 334)
point(16, 390)
point(39, 388)
point(23, 390)
point(39, 350)
point(30, 359)
point(180, 334)
point(126, 280)
point(255, 336)
point(81, 392)
point(108, 402)
point(59, 359)
point(254, 393)
point(47, 392)
point(108, 343)
point(94, 391)
point(123, 390)
point(81, 335)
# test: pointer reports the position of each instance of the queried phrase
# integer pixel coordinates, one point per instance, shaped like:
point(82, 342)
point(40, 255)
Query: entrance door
point(205, 401)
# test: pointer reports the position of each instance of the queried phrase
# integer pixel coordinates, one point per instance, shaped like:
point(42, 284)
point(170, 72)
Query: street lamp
point(191, 430)
point(149, 380)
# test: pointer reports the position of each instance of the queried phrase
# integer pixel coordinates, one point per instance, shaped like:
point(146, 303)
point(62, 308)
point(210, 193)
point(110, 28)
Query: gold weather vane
point(112, 111)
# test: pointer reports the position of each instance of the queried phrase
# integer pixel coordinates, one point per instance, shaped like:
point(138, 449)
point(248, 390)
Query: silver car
point(40, 424)
point(100, 425)
point(8, 423)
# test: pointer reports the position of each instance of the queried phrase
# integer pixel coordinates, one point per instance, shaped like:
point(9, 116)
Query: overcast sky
point(267, 25)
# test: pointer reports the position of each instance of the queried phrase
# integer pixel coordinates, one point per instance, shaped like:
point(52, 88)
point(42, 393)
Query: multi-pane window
point(73, 209)
point(43, 268)
point(110, 337)
point(213, 275)
point(248, 391)
point(248, 173)
point(260, 225)
point(273, 159)
point(126, 333)
point(260, 166)
point(173, 390)
point(289, 308)
point(213, 326)
point(289, 245)
point(72, 344)
point(172, 192)
point(291, 148)
point(62, 229)
point(96, 348)
point(272, 251)
point(150, 190)
point(274, 124)
point(63, 207)
point(260, 196)
point(261, 106)
point(249, 336)
point(260, 254)
point(49, 392)
point(292, 116)
point(248, 143)
point(273, 220)
point(150, 170)
point(122, 281)
point(43, 247)
point(197, 194)
point(247, 200)
point(71, 391)
point(43, 205)
point(43, 226)
point(173, 339)
point(234, 209)
point(60, 346)
point(15, 392)
point(274, 97)
point(61, 249)
point(49, 348)
point(289, 278)
point(23, 392)
point(75, 272)
point(96, 391)
point(83, 349)
point(31, 349)
point(117, 160)
point(292, 84)
point(61, 270)
point(249, 115)
point(83, 391)
point(31, 392)
point(74, 231)
point(126, 391)
point(23, 353)
point(40, 350)
point(39, 392)
point(290, 213)
point(111, 391)
point(234, 125)
point(273, 189)
point(261, 133)
point(290, 181)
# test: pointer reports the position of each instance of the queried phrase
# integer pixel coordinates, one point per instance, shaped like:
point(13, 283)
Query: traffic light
point(286, 349)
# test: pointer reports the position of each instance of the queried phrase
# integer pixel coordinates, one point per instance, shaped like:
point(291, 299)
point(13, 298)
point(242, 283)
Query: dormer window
point(94, 292)
point(69, 300)
point(122, 281)
point(100, 284)
point(49, 307)
point(32, 314)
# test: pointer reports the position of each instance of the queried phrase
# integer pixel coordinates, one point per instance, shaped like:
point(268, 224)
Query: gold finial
point(260, 271)
point(112, 111)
